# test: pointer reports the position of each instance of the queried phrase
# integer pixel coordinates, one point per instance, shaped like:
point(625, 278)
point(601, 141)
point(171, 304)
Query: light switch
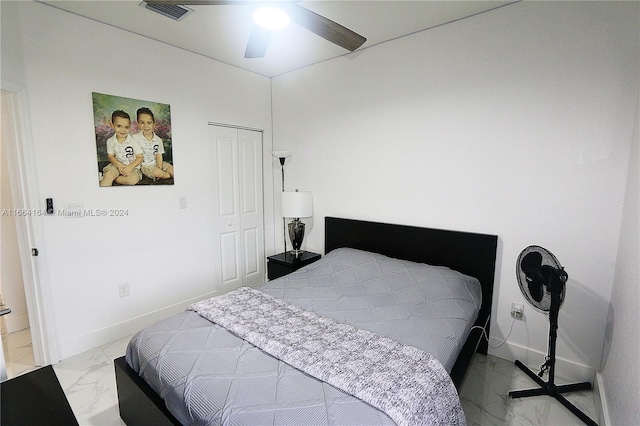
point(74, 210)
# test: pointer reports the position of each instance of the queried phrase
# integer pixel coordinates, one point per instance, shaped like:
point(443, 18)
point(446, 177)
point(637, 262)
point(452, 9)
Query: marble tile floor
point(485, 397)
point(88, 380)
point(18, 353)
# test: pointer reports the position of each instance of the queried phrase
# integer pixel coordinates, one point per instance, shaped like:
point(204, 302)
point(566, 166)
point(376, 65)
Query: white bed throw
point(406, 383)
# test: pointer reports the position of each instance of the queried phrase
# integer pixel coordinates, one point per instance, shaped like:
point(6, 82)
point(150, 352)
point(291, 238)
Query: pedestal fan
point(542, 281)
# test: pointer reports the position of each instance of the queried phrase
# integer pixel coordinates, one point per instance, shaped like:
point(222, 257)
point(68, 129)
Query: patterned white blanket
point(406, 383)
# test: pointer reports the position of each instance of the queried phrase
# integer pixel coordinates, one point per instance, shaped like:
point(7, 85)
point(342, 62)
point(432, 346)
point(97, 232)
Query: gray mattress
point(208, 376)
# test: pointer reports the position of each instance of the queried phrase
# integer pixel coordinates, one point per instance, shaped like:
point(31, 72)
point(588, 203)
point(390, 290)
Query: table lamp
point(296, 205)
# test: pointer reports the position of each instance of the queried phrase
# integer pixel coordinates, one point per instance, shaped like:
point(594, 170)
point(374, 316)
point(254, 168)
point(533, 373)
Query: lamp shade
point(281, 154)
point(297, 204)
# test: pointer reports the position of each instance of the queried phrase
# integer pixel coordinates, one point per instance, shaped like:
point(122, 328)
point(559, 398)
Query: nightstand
point(285, 263)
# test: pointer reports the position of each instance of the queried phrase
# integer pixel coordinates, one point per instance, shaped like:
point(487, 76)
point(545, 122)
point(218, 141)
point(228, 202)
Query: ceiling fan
point(259, 37)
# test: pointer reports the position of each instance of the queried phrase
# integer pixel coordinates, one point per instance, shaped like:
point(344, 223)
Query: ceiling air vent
point(170, 11)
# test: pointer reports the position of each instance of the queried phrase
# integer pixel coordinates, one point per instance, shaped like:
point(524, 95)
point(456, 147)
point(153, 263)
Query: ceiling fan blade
point(258, 42)
point(325, 28)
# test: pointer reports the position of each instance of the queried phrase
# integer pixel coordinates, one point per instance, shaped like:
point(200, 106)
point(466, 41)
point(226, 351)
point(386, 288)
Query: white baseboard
point(600, 399)
point(565, 369)
point(122, 329)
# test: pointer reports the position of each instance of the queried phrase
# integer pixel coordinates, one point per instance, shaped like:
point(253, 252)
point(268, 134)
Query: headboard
point(470, 253)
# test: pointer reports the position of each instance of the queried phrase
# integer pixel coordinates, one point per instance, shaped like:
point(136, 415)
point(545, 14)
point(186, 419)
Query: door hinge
point(34, 252)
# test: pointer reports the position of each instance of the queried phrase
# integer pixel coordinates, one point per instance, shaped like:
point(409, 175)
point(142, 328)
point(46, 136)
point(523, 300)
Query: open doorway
point(20, 284)
point(16, 335)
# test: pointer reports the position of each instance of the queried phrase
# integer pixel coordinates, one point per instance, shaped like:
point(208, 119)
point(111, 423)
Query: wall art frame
point(134, 145)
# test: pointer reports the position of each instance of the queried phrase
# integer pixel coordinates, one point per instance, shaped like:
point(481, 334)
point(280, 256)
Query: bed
point(302, 399)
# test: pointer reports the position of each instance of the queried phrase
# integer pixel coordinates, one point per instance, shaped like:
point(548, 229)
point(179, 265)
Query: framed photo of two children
point(133, 141)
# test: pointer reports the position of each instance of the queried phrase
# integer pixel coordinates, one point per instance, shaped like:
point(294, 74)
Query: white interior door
point(239, 215)
point(251, 206)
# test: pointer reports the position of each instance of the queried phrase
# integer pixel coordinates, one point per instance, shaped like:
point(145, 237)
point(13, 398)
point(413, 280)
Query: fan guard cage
point(549, 259)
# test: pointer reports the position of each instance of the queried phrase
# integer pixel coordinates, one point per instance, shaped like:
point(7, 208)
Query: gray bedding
point(207, 375)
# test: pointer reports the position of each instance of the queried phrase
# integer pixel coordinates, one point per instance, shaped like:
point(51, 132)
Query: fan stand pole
point(549, 387)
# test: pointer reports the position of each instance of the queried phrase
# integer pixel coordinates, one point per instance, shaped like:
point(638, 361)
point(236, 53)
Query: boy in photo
point(153, 166)
point(124, 153)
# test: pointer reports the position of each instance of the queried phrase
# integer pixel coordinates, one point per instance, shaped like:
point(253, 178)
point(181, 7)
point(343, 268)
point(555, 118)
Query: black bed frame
point(470, 253)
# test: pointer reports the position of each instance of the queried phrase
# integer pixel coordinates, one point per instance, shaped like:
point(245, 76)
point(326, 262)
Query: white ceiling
point(221, 32)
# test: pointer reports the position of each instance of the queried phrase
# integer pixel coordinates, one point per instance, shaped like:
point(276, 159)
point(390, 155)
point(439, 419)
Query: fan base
point(549, 388)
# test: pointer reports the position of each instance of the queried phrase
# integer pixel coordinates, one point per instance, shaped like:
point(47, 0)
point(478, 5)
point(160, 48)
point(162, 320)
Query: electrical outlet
point(517, 310)
point(123, 290)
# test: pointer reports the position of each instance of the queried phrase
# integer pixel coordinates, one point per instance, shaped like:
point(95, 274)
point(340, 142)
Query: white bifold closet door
point(239, 213)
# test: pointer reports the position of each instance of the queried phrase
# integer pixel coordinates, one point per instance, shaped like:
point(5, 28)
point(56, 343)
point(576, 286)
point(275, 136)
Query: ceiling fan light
point(271, 17)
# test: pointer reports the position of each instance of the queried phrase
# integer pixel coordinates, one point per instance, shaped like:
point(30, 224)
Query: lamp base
point(296, 234)
point(296, 253)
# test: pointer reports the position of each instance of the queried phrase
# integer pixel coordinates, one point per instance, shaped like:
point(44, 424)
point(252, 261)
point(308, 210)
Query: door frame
point(23, 182)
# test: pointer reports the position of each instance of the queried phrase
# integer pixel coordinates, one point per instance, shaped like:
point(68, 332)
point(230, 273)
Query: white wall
point(622, 347)
point(515, 122)
point(164, 253)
